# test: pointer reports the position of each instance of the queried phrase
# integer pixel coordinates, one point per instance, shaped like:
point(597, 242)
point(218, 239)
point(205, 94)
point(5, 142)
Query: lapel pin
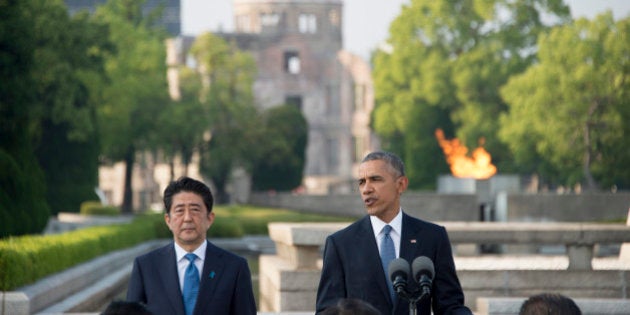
point(212, 274)
point(413, 241)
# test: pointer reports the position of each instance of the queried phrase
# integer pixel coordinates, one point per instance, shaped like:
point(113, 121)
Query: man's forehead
point(372, 168)
point(186, 197)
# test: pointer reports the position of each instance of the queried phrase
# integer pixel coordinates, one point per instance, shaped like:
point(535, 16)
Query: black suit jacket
point(352, 268)
point(225, 286)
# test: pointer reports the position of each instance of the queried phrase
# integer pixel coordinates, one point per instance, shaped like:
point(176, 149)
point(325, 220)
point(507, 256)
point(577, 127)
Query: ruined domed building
point(298, 47)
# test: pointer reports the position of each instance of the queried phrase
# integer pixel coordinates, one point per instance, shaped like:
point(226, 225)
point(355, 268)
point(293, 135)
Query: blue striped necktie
point(191, 284)
point(388, 253)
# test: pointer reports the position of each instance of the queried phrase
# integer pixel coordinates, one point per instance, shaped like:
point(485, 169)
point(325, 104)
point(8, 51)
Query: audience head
point(549, 304)
point(126, 308)
point(351, 307)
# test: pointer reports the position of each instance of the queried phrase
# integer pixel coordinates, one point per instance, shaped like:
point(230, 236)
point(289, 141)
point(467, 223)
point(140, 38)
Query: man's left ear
point(403, 182)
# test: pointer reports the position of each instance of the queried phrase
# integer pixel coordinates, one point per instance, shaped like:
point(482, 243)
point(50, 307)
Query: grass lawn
point(240, 220)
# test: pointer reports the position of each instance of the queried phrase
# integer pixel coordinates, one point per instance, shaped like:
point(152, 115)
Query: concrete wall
point(610, 284)
point(511, 207)
point(428, 206)
point(564, 208)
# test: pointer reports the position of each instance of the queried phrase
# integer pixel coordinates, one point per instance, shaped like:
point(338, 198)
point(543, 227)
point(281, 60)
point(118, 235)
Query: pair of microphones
point(422, 271)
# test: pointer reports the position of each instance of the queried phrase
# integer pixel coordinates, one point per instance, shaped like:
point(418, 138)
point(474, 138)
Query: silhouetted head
point(126, 308)
point(549, 304)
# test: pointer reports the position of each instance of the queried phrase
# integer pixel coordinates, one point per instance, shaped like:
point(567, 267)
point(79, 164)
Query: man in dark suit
point(353, 266)
point(168, 280)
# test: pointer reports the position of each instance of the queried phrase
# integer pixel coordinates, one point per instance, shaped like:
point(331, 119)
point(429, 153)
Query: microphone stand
point(413, 298)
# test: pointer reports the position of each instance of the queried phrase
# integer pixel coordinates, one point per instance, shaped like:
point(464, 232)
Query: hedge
point(96, 208)
point(26, 259)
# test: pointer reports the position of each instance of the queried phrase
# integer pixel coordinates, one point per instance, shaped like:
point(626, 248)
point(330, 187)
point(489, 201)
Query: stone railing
point(579, 238)
point(289, 279)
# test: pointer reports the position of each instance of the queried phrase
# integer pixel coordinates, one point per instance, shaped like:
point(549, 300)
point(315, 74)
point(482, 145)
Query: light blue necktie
point(191, 284)
point(388, 253)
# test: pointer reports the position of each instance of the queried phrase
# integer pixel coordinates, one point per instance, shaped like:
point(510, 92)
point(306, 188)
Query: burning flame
point(479, 166)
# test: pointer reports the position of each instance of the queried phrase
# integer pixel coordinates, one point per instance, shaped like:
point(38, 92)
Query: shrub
point(223, 227)
point(96, 208)
point(26, 259)
point(23, 207)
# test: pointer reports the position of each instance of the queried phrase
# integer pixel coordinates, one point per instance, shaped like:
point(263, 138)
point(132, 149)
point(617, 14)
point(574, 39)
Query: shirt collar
point(378, 224)
point(200, 251)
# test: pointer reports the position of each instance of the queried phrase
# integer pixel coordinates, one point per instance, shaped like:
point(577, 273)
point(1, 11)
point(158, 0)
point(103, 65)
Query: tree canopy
point(136, 89)
point(280, 166)
point(227, 76)
point(443, 68)
point(571, 109)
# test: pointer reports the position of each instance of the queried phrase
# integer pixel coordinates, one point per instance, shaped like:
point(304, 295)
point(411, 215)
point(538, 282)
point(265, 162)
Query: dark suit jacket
point(352, 268)
point(225, 286)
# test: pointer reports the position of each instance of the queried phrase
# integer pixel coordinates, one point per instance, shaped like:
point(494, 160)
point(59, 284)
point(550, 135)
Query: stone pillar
point(624, 253)
point(288, 280)
point(580, 257)
point(14, 303)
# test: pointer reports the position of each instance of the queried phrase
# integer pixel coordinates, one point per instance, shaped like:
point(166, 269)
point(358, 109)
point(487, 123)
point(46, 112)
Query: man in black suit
point(191, 275)
point(352, 261)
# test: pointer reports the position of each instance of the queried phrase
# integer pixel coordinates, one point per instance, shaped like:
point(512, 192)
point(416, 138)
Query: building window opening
point(294, 100)
point(292, 62)
point(243, 24)
point(307, 23)
point(269, 19)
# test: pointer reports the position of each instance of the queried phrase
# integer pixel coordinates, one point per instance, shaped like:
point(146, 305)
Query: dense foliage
point(136, 89)
point(568, 114)
point(227, 76)
point(446, 64)
point(281, 163)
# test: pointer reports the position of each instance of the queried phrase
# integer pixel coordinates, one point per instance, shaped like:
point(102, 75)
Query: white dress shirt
point(182, 262)
point(395, 234)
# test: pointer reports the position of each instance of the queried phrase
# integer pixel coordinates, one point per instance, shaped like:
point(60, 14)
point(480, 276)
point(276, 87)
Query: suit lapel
point(167, 269)
point(409, 241)
point(365, 237)
point(212, 273)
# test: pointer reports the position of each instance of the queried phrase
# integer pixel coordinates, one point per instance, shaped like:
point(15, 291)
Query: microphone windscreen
point(398, 267)
point(422, 265)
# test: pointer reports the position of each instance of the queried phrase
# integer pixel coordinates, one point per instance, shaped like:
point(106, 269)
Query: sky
point(366, 22)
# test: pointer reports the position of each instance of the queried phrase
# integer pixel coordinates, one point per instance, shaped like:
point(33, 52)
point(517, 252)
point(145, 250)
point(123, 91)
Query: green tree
point(227, 77)
point(443, 69)
point(23, 206)
point(137, 88)
point(49, 138)
point(69, 53)
point(281, 163)
point(184, 122)
point(571, 109)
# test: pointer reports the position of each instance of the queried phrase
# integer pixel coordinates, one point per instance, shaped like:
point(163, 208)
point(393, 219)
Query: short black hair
point(391, 159)
point(549, 303)
point(189, 185)
point(126, 308)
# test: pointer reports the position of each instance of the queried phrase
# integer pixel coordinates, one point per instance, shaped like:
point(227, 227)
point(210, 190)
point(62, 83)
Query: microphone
point(423, 272)
point(398, 271)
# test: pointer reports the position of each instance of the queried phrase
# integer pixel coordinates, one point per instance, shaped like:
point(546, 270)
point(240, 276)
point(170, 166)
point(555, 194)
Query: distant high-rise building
point(170, 18)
